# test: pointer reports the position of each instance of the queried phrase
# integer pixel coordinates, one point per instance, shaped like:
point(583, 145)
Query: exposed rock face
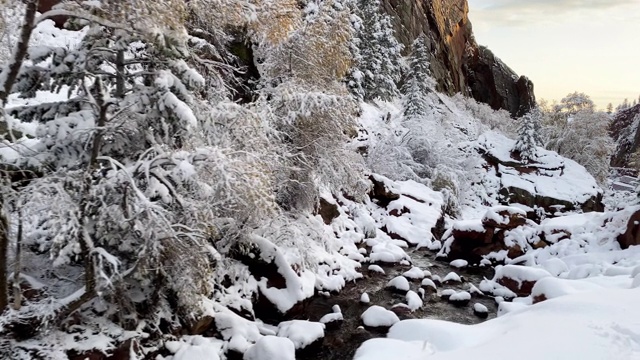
point(458, 63)
point(631, 236)
point(626, 133)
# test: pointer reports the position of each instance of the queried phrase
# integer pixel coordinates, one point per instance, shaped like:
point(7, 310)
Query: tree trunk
point(15, 63)
point(20, 51)
point(4, 246)
point(17, 291)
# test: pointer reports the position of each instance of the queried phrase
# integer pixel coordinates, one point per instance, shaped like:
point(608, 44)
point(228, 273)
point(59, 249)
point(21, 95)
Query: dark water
point(341, 343)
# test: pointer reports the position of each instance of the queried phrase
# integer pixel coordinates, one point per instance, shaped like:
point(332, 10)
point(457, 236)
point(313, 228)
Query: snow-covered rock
point(480, 310)
point(399, 284)
point(451, 278)
point(301, 333)
point(551, 183)
point(364, 298)
point(460, 298)
point(428, 283)
point(459, 263)
point(519, 279)
point(379, 317)
point(376, 269)
point(413, 300)
point(271, 348)
point(415, 273)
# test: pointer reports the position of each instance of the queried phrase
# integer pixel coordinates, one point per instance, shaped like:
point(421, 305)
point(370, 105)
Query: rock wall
point(458, 63)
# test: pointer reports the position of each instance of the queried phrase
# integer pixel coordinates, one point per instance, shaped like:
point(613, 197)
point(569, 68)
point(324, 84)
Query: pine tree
point(528, 138)
point(419, 82)
point(377, 70)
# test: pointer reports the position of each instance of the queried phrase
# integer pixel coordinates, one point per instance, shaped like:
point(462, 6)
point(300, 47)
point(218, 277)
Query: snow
point(195, 348)
point(271, 347)
point(451, 277)
point(460, 296)
point(480, 308)
point(413, 300)
point(428, 283)
point(415, 273)
point(459, 263)
point(376, 268)
point(399, 283)
point(328, 318)
point(377, 316)
point(558, 177)
point(364, 298)
point(469, 225)
point(520, 273)
point(301, 333)
point(581, 326)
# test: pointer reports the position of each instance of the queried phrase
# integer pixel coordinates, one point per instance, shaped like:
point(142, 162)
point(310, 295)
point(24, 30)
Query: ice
point(377, 316)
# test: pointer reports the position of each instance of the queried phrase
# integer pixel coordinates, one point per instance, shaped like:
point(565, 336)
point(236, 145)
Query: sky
point(590, 46)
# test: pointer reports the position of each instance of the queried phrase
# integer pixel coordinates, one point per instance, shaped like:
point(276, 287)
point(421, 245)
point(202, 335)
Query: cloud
point(522, 12)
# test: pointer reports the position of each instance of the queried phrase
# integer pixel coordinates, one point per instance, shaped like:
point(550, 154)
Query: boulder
point(327, 210)
point(504, 217)
point(519, 279)
point(631, 236)
point(381, 191)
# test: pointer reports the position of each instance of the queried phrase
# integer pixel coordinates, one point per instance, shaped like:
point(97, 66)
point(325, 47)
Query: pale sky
point(590, 46)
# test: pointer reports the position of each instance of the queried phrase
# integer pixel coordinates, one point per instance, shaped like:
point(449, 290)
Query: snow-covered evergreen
point(528, 137)
point(418, 83)
point(378, 68)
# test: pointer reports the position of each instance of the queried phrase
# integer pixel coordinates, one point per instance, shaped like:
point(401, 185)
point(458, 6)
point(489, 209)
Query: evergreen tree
point(419, 82)
point(377, 69)
point(528, 138)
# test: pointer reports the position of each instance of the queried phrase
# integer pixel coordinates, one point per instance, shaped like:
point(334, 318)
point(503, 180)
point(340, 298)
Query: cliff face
point(458, 63)
point(625, 131)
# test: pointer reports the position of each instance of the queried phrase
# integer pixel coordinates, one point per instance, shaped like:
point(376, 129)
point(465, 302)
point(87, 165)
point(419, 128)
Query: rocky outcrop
point(626, 133)
point(457, 62)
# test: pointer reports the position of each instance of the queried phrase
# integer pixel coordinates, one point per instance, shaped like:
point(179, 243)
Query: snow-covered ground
point(585, 288)
point(590, 325)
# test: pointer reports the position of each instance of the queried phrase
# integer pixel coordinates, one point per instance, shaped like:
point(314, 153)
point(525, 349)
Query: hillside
point(258, 180)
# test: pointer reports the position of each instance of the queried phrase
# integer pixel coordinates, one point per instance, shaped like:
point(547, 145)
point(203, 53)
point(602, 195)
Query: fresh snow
point(459, 263)
point(428, 283)
point(377, 316)
point(271, 347)
point(480, 308)
point(376, 268)
point(301, 333)
point(364, 298)
point(588, 326)
point(413, 300)
point(399, 283)
point(414, 273)
point(451, 277)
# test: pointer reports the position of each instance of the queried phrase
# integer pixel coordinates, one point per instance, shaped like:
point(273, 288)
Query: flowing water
point(341, 343)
